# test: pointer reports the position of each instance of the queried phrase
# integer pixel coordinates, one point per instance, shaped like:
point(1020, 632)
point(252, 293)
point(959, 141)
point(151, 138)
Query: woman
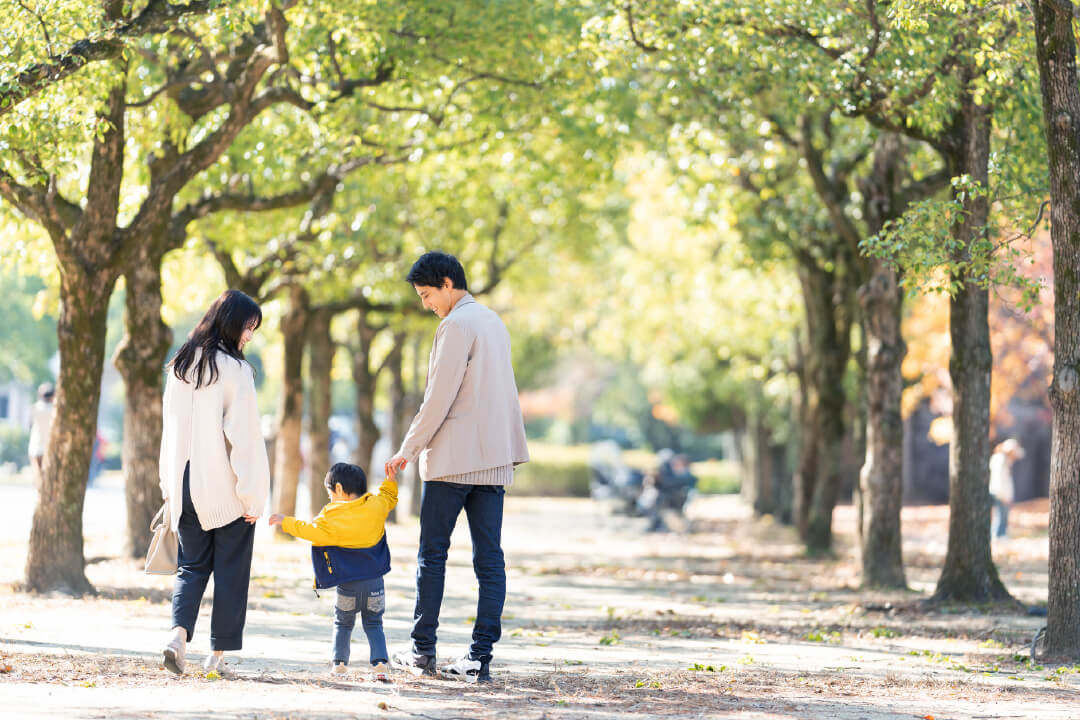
point(215, 476)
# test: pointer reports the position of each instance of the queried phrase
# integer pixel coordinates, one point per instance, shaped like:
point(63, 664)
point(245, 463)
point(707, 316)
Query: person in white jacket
point(215, 476)
point(41, 423)
point(1002, 491)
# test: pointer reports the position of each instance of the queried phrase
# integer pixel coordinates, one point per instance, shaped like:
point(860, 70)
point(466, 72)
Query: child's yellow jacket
point(358, 523)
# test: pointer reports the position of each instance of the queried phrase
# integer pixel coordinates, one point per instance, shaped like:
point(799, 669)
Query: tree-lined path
point(602, 622)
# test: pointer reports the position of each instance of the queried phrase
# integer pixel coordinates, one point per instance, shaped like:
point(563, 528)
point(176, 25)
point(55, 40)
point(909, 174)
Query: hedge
point(563, 471)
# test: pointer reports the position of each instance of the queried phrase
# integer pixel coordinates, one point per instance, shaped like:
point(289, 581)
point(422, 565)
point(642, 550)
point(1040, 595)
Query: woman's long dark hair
point(220, 329)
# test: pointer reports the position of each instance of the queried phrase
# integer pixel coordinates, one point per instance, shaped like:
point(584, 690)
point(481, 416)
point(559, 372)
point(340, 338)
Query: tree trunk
point(54, 558)
point(969, 574)
point(88, 272)
point(140, 358)
point(413, 401)
point(806, 463)
point(781, 482)
point(399, 415)
point(759, 491)
point(829, 348)
point(364, 379)
point(1056, 54)
point(399, 410)
point(320, 367)
point(881, 478)
point(291, 411)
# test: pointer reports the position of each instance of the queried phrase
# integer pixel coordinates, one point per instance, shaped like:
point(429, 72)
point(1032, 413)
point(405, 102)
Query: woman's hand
point(276, 519)
point(251, 519)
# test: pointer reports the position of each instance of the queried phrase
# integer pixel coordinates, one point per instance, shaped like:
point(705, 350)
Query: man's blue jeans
point(440, 506)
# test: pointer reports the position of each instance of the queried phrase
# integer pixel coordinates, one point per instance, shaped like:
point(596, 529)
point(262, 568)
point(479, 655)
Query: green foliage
point(14, 441)
point(821, 635)
point(534, 358)
point(698, 667)
point(612, 638)
point(921, 244)
point(717, 477)
point(28, 332)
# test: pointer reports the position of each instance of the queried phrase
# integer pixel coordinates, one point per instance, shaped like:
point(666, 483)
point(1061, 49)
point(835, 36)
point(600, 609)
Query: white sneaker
point(380, 672)
point(468, 670)
point(338, 668)
point(174, 656)
point(214, 663)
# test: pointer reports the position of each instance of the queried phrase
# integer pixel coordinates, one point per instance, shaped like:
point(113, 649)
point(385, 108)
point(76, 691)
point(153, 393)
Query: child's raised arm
point(387, 494)
point(315, 531)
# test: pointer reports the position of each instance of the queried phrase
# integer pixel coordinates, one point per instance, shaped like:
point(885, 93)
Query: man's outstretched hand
point(394, 464)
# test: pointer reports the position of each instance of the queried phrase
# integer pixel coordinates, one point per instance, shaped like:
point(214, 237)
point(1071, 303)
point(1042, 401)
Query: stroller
point(613, 483)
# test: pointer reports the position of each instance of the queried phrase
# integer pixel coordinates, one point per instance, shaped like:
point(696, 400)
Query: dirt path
point(602, 621)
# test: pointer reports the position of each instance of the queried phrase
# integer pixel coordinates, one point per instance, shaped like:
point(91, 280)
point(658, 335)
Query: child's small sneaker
point(380, 672)
point(338, 668)
point(468, 670)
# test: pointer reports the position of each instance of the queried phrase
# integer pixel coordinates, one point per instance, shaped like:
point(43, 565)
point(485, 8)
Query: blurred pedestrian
point(40, 424)
point(215, 476)
point(1002, 490)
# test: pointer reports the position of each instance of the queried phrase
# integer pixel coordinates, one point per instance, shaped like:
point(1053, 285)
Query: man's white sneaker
point(468, 670)
point(380, 672)
point(338, 668)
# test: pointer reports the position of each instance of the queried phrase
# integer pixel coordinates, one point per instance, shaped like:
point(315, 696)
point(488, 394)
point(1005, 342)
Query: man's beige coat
point(470, 419)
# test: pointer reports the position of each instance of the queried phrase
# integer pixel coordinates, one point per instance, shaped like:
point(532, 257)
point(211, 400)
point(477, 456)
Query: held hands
point(394, 464)
point(276, 519)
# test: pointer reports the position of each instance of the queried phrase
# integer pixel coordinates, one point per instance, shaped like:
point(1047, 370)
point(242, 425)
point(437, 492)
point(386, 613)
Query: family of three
point(467, 436)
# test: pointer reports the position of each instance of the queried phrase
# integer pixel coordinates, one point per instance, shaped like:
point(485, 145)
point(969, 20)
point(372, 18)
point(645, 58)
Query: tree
point(934, 76)
point(94, 245)
point(1055, 44)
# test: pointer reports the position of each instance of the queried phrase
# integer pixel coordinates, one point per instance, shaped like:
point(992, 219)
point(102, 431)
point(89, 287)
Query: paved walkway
point(602, 621)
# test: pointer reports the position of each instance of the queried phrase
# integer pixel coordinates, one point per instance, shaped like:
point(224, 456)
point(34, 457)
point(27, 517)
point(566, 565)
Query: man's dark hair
point(433, 266)
point(352, 478)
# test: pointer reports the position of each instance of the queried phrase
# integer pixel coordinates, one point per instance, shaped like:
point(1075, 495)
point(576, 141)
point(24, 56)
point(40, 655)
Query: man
point(40, 424)
point(468, 435)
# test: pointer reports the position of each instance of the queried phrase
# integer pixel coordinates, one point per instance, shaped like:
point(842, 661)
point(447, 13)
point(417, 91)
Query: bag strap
point(159, 516)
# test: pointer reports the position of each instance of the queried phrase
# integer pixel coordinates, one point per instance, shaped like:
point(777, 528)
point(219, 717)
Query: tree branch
point(44, 27)
point(481, 74)
point(38, 76)
point(40, 204)
point(244, 109)
point(832, 193)
point(926, 187)
point(106, 175)
point(629, 7)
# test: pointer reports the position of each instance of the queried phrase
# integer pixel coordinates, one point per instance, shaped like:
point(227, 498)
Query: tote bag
point(161, 556)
